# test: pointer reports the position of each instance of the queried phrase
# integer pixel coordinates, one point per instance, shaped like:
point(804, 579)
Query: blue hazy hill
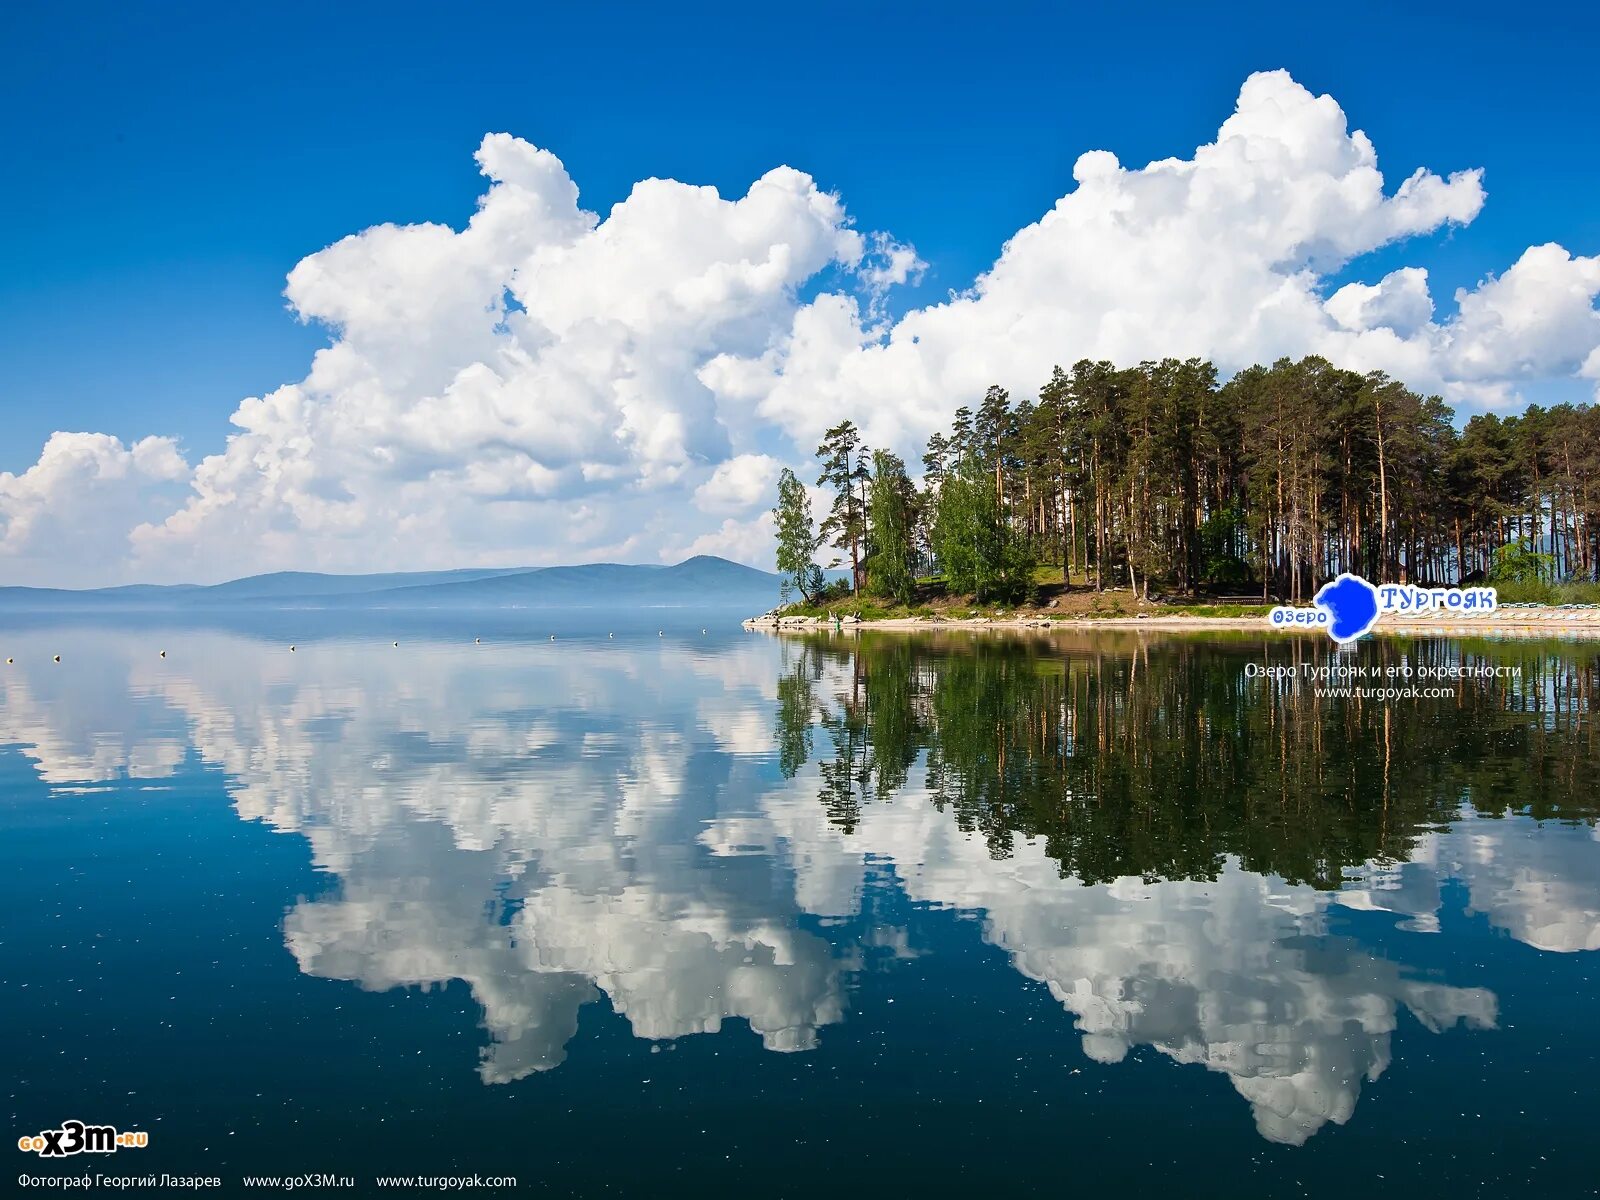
point(311, 583)
point(703, 580)
point(1352, 603)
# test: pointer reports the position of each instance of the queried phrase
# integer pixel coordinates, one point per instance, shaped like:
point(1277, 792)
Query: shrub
point(1525, 591)
point(1577, 592)
point(836, 589)
point(1519, 562)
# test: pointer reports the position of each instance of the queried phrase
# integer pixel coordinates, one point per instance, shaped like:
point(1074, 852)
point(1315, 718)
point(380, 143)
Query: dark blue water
point(672, 910)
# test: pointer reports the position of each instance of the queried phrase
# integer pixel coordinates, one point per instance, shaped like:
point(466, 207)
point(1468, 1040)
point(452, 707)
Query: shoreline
point(1553, 622)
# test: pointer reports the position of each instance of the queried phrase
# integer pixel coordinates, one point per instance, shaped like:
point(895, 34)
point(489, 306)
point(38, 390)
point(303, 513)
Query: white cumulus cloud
point(739, 484)
point(54, 525)
point(549, 384)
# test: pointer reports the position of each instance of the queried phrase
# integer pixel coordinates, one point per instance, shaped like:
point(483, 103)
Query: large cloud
point(1225, 254)
point(546, 385)
point(65, 519)
point(525, 384)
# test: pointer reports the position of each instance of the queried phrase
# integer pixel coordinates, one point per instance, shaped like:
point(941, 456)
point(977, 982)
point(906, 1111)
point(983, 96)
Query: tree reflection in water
point(725, 834)
point(1160, 759)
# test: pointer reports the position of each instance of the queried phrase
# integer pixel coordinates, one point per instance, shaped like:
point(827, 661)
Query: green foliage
point(1519, 562)
point(1220, 610)
point(832, 591)
point(1220, 534)
point(957, 531)
point(847, 606)
point(1164, 760)
point(890, 552)
point(980, 552)
point(844, 469)
point(1577, 592)
point(1525, 591)
point(1154, 479)
point(797, 542)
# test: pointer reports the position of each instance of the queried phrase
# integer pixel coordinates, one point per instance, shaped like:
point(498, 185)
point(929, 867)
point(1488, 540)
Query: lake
point(646, 910)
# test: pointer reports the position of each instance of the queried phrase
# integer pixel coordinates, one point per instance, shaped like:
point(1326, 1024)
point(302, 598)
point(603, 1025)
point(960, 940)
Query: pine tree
point(844, 470)
point(1275, 481)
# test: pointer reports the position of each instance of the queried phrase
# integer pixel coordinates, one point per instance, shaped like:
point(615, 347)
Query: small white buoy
point(291, 649)
point(163, 654)
point(552, 637)
point(477, 641)
point(58, 658)
point(397, 645)
point(702, 633)
point(661, 633)
point(611, 635)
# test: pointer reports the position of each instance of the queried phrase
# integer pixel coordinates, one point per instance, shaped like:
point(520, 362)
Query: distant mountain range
point(702, 580)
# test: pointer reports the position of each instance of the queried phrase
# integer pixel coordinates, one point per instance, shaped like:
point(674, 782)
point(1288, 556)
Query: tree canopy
point(797, 538)
point(1158, 476)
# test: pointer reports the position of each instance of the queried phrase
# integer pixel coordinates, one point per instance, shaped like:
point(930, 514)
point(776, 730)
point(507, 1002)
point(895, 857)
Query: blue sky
point(167, 165)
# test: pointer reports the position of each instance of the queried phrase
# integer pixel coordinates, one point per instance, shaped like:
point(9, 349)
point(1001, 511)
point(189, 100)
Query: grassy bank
point(1048, 598)
point(1538, 592)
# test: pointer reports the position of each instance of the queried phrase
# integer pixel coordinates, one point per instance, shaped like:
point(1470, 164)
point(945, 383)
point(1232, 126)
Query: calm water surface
point(647, 914)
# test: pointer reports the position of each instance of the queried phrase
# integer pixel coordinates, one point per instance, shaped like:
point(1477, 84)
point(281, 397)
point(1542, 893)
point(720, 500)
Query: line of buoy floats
point(1497, 635)
point(477, 641)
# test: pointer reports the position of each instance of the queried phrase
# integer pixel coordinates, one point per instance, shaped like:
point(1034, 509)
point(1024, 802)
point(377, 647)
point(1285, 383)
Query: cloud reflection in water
point(550, 825)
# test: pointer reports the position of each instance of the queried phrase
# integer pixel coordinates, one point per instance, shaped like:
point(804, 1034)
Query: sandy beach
point(1520, 622)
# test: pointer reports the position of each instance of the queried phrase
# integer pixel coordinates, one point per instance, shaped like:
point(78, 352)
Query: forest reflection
point(1161, 757)
point(626, 824)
